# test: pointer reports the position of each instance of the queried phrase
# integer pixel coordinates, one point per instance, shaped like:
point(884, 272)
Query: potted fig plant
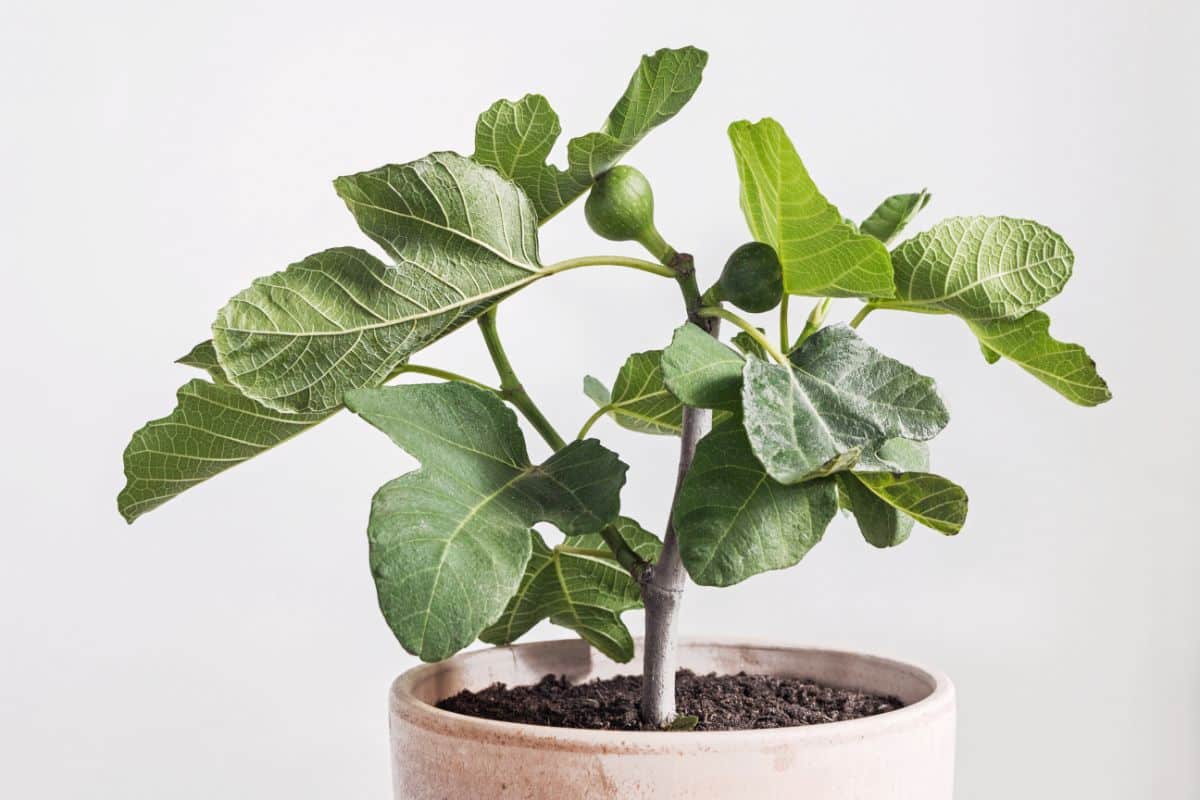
point(777, 431)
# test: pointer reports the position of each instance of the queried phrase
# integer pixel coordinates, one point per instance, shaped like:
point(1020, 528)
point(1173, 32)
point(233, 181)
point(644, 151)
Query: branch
point(512, 391)
point(511, 388)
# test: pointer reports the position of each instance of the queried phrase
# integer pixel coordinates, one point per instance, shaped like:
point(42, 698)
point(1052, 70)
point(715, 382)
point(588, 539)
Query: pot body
point(906, 754)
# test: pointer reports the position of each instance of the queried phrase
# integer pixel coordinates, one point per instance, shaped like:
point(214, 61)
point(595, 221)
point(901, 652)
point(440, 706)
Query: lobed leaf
point(212, 428)
point(449, 543)
point(580, 591)
point(841, 398)
point(463, 236)
point(734, 520)
point(1064, 367)
point(516, 137)
point(822, 254)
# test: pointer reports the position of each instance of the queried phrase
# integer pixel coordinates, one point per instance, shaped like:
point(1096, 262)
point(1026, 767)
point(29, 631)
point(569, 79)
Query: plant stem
point(443, 374)
point(861, 315)
point(608, 261)
point(783, 322)
point(751, 331)
point(587, 426)
point(512, 391)
point(511, 388)
point(663, 581)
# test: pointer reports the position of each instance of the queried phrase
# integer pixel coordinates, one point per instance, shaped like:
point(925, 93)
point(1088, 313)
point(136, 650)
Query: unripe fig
point(620, 206)
point(753, 278)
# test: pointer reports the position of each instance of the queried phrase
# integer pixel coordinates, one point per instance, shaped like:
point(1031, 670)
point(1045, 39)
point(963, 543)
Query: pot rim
point(407, 707)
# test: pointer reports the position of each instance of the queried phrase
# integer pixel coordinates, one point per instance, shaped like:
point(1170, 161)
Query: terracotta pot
point(906, 754)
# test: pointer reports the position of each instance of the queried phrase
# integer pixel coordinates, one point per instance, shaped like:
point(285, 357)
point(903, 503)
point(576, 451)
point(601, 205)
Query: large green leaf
point(213, 427)
point(981, 268)
point(734, 520)
point(580, 590)
point(1064, 367)
point(701, 371)
point(639, 400)
point(822, 254)
point(886, 503)
point(841, 398)
point(516, 137)
point(894, 214)
point(463, 236)
point(449, 543)
point(993, 272)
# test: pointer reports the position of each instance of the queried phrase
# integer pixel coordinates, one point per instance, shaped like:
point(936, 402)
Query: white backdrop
point(157, 157)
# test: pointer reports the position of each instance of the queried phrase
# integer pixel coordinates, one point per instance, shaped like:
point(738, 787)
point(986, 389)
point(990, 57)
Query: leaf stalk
point(608, 261)
point(862, 314)
point(753, 332)
point(444, 374)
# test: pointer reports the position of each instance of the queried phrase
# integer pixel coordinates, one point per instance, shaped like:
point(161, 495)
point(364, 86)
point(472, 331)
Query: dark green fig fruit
point(753, 278)
point(620, 206)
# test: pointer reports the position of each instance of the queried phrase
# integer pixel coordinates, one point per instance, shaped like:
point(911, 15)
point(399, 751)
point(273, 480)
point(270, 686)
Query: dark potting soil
point(720, 702)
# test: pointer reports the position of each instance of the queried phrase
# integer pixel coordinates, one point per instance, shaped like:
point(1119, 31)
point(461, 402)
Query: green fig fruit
point(620, 207)
point(753, 278)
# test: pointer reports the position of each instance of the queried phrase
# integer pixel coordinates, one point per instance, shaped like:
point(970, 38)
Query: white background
point(158, 156)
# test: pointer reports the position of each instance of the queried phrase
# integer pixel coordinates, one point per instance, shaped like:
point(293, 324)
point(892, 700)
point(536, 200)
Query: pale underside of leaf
point(204, 357)
point(1064, 367)
point(464, 238)
point(981, 268)
point(212, 428)
point(821, 253)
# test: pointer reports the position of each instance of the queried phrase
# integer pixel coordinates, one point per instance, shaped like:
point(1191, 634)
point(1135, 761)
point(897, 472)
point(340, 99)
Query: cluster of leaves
point(829, 422)
point(451, 545)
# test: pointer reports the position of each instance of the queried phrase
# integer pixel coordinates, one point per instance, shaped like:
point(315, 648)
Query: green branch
point(608, 261)
point(512, 391)
point(862, 314)
point(511, 388)
point(418, 369)
point(600, 412)
point(753, 332)
point(783, 321)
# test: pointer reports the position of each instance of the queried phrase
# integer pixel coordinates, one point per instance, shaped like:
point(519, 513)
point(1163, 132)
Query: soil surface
point(720, 702)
